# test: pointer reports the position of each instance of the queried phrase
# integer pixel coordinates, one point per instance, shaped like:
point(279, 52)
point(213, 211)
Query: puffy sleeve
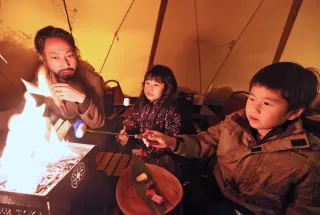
point(203, 144)
point(92, 109)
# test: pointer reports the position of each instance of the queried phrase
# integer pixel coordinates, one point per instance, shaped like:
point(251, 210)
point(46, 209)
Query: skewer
point(82, 129)
point(138, 136)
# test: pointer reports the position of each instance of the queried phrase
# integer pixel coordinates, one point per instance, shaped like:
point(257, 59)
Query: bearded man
point(76, 89)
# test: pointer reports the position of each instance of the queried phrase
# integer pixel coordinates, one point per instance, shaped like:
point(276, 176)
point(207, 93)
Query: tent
point(214, 47)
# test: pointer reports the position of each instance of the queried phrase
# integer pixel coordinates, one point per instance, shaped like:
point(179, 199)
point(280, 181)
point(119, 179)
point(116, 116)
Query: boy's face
point(266, 109)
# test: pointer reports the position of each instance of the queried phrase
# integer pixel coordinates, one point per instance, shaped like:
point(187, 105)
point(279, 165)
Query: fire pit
point(40, 173)
point(53, 196)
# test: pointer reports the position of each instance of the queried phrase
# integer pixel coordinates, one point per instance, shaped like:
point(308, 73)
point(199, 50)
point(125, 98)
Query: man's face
point(266, 109)
point(60, 57)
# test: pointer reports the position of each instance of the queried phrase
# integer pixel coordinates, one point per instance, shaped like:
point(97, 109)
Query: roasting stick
point(82, 129)
point(138, 136)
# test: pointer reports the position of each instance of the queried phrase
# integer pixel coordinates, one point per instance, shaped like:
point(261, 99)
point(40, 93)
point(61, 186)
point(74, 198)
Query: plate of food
point(147, 189)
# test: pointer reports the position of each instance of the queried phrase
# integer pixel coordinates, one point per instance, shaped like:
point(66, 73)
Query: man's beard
point(65, 78)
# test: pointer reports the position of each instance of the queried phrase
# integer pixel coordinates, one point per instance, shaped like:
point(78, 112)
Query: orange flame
point(30, 145)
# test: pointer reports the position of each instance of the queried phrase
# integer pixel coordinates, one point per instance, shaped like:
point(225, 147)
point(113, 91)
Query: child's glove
point(123, 138)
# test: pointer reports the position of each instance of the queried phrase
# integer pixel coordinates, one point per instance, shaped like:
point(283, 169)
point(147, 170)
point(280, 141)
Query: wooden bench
point(113, 164)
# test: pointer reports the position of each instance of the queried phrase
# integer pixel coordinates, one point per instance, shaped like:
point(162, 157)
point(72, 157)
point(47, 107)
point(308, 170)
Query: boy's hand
point(159, 140)
point(123, 137)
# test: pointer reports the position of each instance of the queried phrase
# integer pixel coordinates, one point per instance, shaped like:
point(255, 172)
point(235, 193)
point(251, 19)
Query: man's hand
point(64, 91)
point(159, 140)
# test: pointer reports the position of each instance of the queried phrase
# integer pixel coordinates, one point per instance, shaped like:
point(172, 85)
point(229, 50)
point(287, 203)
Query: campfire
point(35, 162)
point(34, 157)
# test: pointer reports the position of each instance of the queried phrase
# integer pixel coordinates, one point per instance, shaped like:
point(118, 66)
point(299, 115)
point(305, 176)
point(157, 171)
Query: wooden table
point(113, 165)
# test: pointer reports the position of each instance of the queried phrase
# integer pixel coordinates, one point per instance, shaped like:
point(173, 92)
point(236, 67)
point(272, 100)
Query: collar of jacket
point(293, 137)
point(158, 102)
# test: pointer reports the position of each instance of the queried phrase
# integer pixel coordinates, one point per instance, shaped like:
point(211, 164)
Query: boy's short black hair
point(298, 85)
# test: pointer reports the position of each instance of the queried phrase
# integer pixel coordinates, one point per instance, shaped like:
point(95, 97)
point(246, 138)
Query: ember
point(55, 171)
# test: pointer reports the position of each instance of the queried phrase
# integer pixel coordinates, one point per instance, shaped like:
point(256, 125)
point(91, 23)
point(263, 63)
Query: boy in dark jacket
point(266, 162)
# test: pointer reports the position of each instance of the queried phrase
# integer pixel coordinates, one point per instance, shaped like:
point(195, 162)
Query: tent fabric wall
point(220, 24)
point(255, 49)
point(233, 47)
point(303, 45)
point(235, 38)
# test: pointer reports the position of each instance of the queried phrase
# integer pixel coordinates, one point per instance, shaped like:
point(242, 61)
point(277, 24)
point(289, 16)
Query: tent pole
point(231, 49)
point(295, 7)
point(198, 46)
point(162, 11)
point(67, 14)
point(115, 36)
